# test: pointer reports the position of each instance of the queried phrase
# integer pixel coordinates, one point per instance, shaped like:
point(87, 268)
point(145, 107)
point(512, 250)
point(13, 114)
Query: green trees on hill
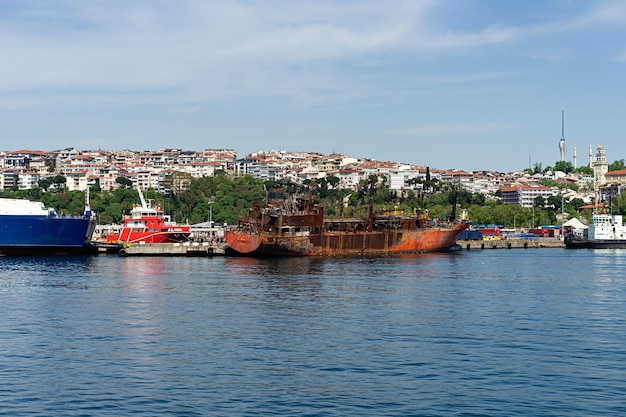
point(617, 165)
point(228, 198)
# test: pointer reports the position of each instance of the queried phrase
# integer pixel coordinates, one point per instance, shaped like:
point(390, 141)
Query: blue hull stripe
point(43, 231)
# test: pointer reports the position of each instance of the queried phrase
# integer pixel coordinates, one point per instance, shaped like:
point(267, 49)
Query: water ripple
point(471, 333)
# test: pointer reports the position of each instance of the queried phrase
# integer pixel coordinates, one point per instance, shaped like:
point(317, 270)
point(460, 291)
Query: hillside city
point(23, 169)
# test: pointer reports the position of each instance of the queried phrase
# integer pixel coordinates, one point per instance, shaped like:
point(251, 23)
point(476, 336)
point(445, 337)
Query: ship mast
point(87, 207)
point(143, 200)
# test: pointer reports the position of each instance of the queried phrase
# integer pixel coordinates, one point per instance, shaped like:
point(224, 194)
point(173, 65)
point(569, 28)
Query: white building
point(399, 177)
point(77, 181)
point(28, 180)
point(600, 167)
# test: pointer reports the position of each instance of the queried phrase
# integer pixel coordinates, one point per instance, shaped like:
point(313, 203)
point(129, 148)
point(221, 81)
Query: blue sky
point(468, 84)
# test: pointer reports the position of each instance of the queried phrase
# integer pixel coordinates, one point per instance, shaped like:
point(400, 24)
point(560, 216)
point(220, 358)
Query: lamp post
point(562, 215)
point(211, 212)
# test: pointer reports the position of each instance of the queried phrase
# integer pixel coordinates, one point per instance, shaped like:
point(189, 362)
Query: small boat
point(606, 231)
point(147, 224)
point(295, 226)
point(29, 228)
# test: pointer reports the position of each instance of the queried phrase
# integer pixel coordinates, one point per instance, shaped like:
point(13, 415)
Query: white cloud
point(140, 45)
point(196, 50)
point(604, 13)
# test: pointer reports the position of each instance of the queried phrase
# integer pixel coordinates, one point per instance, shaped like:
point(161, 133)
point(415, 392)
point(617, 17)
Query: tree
point(58, 182)
point(124, 182)
point(563, 166)
point(322, 187)
point(617, 165)
point(619, 204)
point(45, 183)
point(34, 194)
point(333, 181)
point(96, 187)
point(585, 170)
point(554, 202)
point(539, 201)
point(430, 185)
point(367, 188)
point(413, 181)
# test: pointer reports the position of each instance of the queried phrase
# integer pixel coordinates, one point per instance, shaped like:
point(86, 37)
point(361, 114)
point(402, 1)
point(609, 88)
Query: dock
point(174, 249)
point(543, 242)
point(219, 249)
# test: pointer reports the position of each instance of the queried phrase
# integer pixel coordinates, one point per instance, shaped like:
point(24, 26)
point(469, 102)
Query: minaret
point(590, 156)
point(562, 141)
point(574, 154)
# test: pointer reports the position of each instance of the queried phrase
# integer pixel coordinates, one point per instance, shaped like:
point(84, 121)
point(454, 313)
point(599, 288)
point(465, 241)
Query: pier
point(544, 242)
point(219, 249)
point(174, 249)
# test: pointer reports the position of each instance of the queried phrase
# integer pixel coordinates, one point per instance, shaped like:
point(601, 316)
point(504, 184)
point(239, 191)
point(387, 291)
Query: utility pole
point(562, 215)
point(211, 212)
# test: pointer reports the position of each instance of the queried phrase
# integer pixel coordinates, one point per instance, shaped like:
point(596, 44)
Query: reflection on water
point(280, 266)
point(520, 332)
point(306, 278)
point(307, 265)
point(25, 272)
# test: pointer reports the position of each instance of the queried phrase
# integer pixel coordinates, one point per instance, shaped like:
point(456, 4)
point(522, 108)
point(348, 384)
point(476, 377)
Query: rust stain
point(296, 226)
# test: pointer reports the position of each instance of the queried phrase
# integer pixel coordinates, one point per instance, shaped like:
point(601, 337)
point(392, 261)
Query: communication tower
point(562, 141)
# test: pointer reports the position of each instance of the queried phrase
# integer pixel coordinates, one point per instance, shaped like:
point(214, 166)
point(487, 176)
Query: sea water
point(492, 332)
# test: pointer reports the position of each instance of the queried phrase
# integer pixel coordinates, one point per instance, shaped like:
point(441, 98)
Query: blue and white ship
point(606, 231)
point(29, 228)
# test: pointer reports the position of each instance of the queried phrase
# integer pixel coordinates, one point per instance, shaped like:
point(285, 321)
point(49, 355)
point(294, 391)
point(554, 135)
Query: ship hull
point(606, 231)
point(149, 225)
point(573, 243)
point(149, 237)
point(45, 235)
point(364, 243)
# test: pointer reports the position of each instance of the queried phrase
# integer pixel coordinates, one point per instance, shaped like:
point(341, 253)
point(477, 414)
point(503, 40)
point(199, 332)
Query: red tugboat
point(149, 225)
point(287, 225)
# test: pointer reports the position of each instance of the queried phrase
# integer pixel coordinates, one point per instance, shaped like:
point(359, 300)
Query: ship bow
point(242, 243)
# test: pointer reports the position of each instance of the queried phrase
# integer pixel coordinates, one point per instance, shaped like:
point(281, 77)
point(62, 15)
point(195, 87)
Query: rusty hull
point(336, 243)
point(296, 226)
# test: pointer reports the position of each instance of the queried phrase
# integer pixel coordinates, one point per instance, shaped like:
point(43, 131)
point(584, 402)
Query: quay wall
point(218, 249)
point(544, 242)
point(175, 249)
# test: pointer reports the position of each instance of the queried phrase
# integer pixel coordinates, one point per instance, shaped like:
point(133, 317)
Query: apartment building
point(615, 184)
point(22, 169)
point(77, 180)
point(27, 180)
point(525, 194)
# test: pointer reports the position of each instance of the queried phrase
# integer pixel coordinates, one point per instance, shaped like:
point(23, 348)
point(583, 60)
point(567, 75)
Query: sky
point(465, 84)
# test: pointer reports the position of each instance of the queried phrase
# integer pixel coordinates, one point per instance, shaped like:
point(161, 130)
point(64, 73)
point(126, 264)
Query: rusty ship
point(288, 225)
